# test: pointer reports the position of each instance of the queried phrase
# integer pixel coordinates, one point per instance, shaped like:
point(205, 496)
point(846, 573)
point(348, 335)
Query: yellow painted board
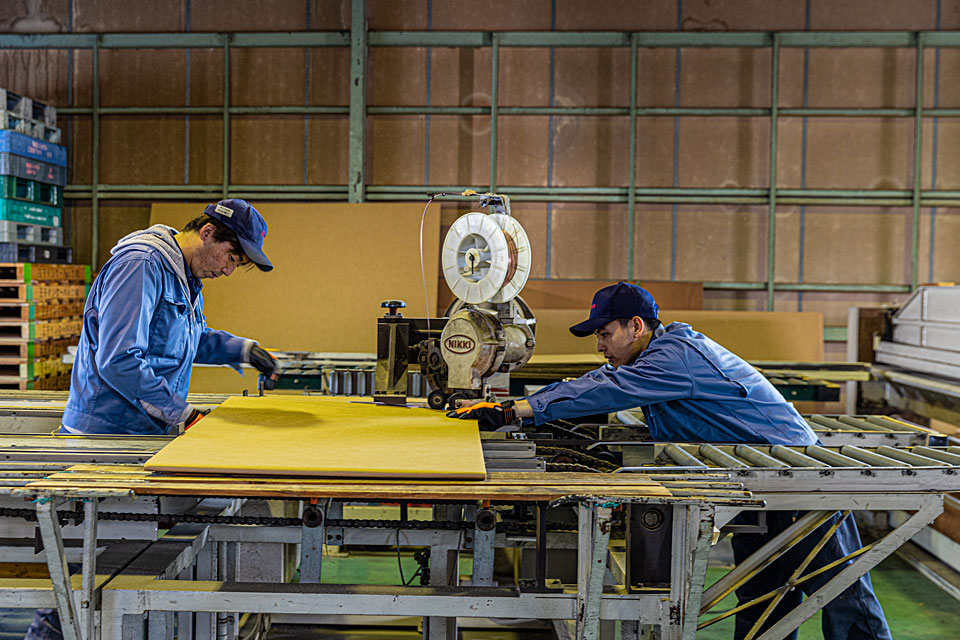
point(329, 436)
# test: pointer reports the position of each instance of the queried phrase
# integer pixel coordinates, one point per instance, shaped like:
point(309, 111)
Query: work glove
point(267, 364)
point(490, 416)
point(195, 416)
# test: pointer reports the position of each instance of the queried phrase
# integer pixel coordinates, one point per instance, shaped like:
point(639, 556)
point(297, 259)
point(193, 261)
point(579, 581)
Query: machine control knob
point(392, 306)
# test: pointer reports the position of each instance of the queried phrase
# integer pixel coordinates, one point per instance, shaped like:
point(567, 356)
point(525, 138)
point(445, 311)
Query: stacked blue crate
point(33, 174)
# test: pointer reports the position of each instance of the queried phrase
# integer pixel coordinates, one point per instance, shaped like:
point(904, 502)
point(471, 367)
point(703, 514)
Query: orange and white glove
point(490, 416)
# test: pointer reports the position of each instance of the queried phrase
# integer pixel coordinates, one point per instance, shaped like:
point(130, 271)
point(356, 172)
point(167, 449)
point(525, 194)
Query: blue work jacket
point(143, 328)
point(691, 389)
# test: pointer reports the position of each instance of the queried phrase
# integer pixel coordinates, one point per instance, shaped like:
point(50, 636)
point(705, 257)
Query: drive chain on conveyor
point(76, 517)
point(576, 457)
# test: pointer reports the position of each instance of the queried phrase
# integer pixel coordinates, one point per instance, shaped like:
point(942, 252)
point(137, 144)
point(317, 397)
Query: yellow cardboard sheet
point(297, 436)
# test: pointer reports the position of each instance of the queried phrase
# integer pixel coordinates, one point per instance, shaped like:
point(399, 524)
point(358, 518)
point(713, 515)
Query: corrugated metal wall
point(818, 242)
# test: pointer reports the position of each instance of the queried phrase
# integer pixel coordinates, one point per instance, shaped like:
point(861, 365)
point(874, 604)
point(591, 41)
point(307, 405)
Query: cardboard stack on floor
point(33, 174)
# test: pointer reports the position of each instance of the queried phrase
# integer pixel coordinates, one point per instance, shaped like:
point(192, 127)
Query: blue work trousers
point(853, 615)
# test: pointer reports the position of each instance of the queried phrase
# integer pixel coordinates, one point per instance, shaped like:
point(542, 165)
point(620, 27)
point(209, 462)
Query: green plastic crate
point(32, 212)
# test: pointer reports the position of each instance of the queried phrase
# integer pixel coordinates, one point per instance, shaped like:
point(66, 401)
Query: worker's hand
point(490, 416)
point(196, 415)
point(267, 364)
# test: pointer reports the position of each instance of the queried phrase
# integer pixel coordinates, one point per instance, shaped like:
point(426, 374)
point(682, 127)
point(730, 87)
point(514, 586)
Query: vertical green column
point(358, 99)
point(772, 217)
point(225, 187)
point(917, 166)
point(95, 174)
point(632, 188)
point(494, 107)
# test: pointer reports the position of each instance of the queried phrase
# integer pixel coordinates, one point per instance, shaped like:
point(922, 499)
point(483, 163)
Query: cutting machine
point(487, 330)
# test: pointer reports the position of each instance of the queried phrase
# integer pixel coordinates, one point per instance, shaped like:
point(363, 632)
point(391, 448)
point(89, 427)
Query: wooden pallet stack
point(41, 315)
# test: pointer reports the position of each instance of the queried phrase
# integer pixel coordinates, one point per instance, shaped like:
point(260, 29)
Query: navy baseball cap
point(245, 221)
point(621, 300)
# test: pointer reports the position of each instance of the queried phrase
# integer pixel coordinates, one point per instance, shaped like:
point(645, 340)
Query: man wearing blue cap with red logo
point(144, 328)
point(691, 389)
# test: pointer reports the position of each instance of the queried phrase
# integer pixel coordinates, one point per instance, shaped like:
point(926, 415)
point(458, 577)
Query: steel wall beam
point(358, 100)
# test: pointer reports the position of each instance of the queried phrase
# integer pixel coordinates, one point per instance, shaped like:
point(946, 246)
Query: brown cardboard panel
point(329, 154)
point(652, 242)
point(397, 15)
point(330, 15)
point(656, 77)
point(753, 335)
point(141, 149)
point(79, 148)
point(725, 78)
point(248, 15)
point(947, 91)
point(859, 153)
point(861, 78)
point(588, 241)
point(790, 152)
point(117, 218)
point(525, 77)
point(334, 264)
point(724, 152)
point(80, 224)
point(592, 151)
point(883, 15)
point(522, 150)
point(142, 77)
point(790, 80)
point(460, 150)
point(82, 78)
point(946, 254)
point(206, 149)
point(592, 77)
point(460, 77)
point(742, 15)
point(330, 76)
point(206, 77)
point(39, 16)
point(577, 294)
point(266, 149)
point(572, 294)
point(266, 76)
point(396, 76)
point(834, 305)
point(494, 15)
point(42, 75)
point(532, 216)
point(651, 15)
point(857, 245)
point(118, 15)
point(397, 150)
point(723, 243)
point(787, 247)
point(948, 155)
point(204, 379)
point(726, 300)
point(655, 152)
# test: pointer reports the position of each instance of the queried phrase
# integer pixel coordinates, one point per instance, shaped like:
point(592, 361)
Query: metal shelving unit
point(359, 39)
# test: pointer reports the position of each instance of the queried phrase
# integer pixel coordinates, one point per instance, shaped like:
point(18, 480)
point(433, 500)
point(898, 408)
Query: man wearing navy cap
point(144, 328)
point(691, 389)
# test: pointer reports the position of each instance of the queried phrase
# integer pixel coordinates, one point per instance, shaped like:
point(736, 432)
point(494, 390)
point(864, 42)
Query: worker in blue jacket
point(691, 389)
point(144, 328)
